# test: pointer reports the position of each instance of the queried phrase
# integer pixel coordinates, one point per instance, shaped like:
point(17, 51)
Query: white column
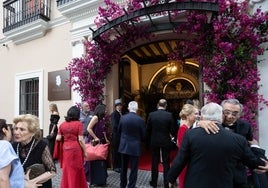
point(263, 68)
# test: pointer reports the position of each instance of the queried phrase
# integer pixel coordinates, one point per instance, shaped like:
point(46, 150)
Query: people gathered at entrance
point(217, 134)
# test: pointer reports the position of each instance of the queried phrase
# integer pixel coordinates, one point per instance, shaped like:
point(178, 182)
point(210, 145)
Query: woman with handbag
point(73, 150)
point(53, 126)
point(11, 171)
point(97, 134)
point(32, 151)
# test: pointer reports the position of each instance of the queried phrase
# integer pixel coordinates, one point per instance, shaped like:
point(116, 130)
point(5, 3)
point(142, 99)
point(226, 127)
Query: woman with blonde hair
point(32, 150)
point(188, 114)
point(11, 171)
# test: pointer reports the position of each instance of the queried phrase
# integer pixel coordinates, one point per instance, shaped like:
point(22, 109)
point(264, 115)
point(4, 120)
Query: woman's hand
point(97, 140)
point(31, 184)
point(85, 154)
point(105, 136)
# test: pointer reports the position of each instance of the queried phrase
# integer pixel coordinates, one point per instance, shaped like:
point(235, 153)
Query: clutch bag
point(36, 170)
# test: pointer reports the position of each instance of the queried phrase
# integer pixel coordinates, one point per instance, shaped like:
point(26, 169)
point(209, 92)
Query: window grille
point(29, 94)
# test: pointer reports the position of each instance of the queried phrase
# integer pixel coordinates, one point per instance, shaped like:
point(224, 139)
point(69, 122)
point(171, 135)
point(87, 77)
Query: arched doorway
point(155, 80)
point(179, 86)
point(147, 35)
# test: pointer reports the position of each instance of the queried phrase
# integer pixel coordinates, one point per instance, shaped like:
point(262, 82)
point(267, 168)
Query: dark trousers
point(165, 154)
point(133, 161)
point(258, 180)
point(116, 156)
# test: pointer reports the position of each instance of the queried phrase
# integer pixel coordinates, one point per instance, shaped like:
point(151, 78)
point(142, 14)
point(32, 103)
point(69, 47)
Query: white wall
point(263, 114)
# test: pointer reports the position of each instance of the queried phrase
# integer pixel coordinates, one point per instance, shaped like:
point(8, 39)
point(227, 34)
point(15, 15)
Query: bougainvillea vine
point(226, 47)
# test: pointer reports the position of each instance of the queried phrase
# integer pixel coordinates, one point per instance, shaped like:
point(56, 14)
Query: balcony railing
point(62, 2)
point(21, 12)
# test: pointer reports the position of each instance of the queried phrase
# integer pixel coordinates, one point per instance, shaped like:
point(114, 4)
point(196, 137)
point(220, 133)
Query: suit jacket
point(243, 128)
point(115, 118)
point(212, 158)
point(160, 125)
point(260, 180)
point(131, 130)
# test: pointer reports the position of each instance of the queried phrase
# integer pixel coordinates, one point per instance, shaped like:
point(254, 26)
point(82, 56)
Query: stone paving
point(113, 180)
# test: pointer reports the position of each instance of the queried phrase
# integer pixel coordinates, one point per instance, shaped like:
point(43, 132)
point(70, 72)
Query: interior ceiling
point(153, 52)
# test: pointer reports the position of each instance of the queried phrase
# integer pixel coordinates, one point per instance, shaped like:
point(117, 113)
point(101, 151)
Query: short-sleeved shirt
point(85, 119)
point(8, 156)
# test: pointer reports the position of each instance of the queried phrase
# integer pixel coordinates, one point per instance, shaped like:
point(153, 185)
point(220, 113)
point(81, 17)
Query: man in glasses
point(232, 110)
point(211, 158)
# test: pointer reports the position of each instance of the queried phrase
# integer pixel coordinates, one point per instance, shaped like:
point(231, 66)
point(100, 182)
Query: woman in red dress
point(73, 150)
point(188, 116)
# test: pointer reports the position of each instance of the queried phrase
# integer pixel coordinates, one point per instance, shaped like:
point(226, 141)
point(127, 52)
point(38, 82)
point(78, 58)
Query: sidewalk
point(113, 180)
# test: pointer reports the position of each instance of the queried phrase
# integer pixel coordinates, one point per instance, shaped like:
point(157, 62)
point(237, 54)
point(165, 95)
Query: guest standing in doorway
point(115, 118)
point(131, 131)
point(160, 126)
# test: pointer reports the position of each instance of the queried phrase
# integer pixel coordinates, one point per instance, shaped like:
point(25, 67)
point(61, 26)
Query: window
point(29, 94)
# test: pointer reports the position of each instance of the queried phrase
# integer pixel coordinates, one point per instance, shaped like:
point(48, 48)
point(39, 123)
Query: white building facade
point(41, 37)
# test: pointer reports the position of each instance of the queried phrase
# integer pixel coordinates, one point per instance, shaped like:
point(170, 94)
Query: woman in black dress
point(32, 150)
point(53, 126)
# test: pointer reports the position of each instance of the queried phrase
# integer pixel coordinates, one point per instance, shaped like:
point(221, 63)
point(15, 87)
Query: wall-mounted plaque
point(58, 88)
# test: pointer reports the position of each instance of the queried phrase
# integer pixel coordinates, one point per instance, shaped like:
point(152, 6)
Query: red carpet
point(146, 158)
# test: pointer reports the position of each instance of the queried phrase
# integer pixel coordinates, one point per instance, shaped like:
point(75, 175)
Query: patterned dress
point(35, 152)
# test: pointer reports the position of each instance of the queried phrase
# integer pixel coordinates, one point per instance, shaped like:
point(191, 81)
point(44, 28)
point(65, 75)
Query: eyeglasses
point(228, 112)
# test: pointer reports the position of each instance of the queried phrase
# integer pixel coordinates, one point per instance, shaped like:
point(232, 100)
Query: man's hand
point(253, 142)
point(262, 169)
point(209, 126)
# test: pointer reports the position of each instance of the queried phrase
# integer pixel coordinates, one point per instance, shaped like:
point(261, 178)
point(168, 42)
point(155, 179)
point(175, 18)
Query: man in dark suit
point(211, 157)
point(115, 118)
point(232, 110)
point(131, 131)
point(160, 125)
